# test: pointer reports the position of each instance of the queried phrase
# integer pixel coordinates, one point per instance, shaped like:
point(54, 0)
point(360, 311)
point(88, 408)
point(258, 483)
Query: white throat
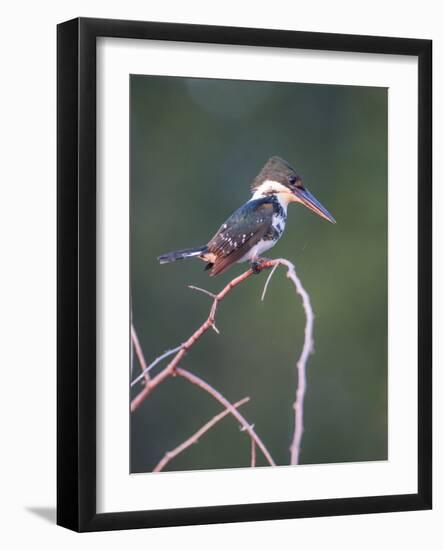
point(280, 191)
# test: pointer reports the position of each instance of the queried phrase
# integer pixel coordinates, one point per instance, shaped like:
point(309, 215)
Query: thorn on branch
point(245, 428)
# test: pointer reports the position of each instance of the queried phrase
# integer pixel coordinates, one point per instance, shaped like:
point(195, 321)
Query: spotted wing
point(241, 231)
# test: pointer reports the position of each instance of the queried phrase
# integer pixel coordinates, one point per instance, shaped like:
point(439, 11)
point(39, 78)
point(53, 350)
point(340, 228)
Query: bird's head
point(277, 177)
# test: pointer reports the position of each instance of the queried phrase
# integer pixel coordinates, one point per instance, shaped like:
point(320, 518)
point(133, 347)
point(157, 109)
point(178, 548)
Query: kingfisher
point(257, 225)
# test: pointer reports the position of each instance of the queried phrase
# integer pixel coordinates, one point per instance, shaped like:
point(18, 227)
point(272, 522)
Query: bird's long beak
point(305, 197)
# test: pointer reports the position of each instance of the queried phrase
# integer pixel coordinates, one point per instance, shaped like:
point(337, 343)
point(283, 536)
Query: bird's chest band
point(277, 227)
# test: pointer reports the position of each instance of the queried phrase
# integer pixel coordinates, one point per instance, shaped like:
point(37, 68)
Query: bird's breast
point(257, 250)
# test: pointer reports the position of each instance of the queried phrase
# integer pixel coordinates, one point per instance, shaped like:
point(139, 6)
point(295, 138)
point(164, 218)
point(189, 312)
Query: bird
point(256, 226)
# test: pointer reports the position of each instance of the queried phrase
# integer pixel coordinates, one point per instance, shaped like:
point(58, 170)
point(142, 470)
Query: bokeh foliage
point(195, 146)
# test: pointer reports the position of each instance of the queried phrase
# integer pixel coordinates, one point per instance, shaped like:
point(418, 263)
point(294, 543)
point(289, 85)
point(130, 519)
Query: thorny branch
point(185, 347)
point(172, 368)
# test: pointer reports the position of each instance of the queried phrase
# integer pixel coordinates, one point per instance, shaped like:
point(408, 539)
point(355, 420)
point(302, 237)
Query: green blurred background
point(196, 144)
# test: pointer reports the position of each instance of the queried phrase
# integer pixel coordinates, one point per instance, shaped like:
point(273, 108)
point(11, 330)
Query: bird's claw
point(257, 265)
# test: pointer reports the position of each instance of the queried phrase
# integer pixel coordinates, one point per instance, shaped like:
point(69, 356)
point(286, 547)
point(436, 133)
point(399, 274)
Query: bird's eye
point(292, 179)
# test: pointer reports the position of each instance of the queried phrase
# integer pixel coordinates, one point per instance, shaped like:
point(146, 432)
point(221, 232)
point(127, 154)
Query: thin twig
point(211, 294)
point(141, 358)
point(253, 454)
point(227, 405)
point(265, 288)
point(308, 349)
point(132, 349)
point(152, 365)
point(194, 438)
point(132, 355)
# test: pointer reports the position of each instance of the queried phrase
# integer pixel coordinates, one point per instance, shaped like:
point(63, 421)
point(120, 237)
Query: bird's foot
point(257, 265)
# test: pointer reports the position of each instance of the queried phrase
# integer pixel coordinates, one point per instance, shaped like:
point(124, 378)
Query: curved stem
point(194, 438)
point(308, 349)
point(217, 395)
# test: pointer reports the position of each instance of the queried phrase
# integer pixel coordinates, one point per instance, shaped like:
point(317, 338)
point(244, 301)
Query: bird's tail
point(182, 254)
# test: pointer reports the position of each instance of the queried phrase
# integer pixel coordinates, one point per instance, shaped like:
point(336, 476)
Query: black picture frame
point(76, 279)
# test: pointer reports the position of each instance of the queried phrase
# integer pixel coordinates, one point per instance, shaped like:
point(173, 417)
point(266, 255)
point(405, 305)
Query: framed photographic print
point(244, 274)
